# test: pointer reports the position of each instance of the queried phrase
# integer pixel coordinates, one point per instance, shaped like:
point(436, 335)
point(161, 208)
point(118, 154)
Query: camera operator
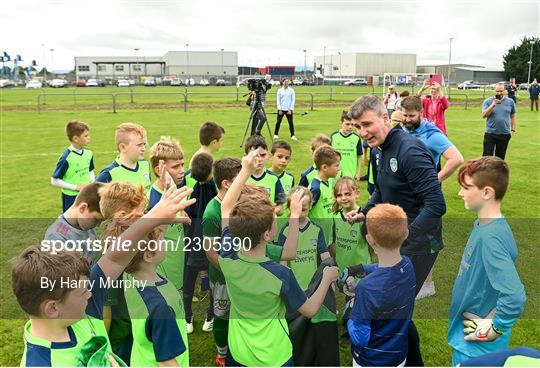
point(258, 88)
point(500, 114)
point(285, 106)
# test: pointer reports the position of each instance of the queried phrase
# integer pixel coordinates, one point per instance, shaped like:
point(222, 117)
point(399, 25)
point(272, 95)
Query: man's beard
point(415, 125)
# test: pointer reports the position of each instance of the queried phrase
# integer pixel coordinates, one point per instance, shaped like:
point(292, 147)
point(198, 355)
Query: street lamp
point(530, 62)
point(187, 56)
point(222, 71)
point(323, 64)
point(449, 62)
point(43, 63)
point(52, 60)
point(305, 64)
point(138, 66)
point(339, 53)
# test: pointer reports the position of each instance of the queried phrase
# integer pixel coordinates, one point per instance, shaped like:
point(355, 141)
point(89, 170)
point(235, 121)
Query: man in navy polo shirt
point(406, 176)
point(500, 114)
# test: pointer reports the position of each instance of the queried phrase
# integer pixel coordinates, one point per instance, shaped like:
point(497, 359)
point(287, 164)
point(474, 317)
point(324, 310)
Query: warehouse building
point(209, 65)
point(443, 69)
point(481, 75)
point(364, 65)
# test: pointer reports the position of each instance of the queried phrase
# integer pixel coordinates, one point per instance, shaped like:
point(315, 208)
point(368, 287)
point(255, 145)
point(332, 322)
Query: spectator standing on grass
point(408, 178)
point(534, 91)
point(435, 104)
point(285, 106)
point(390, 99)
point(512, 89)
point(403, 94)
point(500, 114)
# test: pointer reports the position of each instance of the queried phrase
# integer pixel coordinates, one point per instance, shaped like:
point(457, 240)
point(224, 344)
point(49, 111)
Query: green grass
point(30, 144)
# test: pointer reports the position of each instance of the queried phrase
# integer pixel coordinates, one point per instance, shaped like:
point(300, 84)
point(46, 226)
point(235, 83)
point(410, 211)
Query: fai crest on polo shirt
point(393, 164)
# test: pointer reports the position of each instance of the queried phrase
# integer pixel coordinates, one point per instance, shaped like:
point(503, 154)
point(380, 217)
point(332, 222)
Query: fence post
point(466, 101)
point(131, 94)
point(113, 103)
point(311, 94)
point(237, 93)
point(330, 93)
point(38, 104)
point(185, 102)
point(484, 93)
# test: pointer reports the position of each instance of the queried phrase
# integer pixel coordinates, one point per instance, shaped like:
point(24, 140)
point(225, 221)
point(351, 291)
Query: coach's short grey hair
point(366, 103)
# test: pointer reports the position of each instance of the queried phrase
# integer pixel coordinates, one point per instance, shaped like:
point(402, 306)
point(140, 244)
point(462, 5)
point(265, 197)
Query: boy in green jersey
point(264, 177)
point(167, 161)
point(130, 165)
point(64, 297)
point(311, 172)
point(311, 243)
point(349, 246)
point(157, 317)
point(281, 153)
point(211, 137)
point(75, 167)
point(349, 144)
point(259, 288)
point(327, 162)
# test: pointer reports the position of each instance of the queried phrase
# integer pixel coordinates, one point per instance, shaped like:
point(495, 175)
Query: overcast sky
point(266, 32)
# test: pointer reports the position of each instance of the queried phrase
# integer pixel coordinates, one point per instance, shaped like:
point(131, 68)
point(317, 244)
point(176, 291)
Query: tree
point(516, 60)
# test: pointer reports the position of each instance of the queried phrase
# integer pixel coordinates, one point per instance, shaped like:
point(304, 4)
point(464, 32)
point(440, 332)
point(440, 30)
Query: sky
point(270, 32)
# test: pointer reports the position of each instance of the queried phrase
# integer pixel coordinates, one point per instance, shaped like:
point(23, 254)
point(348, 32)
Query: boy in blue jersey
point(64, 297)
point(75, 168)
point(488, 296)
point(384, 299)
point(260, 289)
point(130, 165)
point(311, 172)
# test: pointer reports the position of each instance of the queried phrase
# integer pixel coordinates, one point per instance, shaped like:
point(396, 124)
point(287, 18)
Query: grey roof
point(474, 69)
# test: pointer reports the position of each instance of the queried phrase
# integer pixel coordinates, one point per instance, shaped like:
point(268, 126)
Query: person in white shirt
point(285, 106)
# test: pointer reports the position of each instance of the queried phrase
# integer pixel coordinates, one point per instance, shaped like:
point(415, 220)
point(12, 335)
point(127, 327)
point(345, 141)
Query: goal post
point(408, 80)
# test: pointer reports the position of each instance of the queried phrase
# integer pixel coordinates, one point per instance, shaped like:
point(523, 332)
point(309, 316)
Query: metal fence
point(183, 97)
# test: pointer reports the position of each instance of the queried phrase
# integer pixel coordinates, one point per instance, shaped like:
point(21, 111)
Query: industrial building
point(364, 65)
point(462, 72)
point(209, 65)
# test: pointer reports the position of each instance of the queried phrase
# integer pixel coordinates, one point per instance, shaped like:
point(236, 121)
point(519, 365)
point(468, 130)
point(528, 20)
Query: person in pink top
point(435, 104)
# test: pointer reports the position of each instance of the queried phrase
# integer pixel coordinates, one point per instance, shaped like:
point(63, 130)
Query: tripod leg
point(252, 113)
point(267, 123)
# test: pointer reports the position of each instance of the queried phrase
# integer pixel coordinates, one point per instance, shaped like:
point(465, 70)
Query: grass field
point(30, 144)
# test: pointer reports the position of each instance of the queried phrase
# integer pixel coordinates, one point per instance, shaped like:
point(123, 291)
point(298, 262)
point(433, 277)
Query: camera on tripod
point(258, 85)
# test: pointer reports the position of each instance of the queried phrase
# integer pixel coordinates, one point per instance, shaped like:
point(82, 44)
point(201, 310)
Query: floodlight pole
point(52, 59)
point(449, 62)
point(340, 74)
point(43, 63)
point(187, 56)
point(222, 71)
point(136, 49)
point(323, 64)
point(530, 62)
point(305, 64)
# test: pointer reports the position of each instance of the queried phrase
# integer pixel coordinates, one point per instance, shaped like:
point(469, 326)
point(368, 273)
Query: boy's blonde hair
point(325, 155)
point(117, 226)
point(124, 130)
point(75, 128)
point(166, 148)
point(319, 141)
point(387, 225)
point(306, 193)
point(252, 215)
point(116, 197)
point(32, 264)
point(343, 181)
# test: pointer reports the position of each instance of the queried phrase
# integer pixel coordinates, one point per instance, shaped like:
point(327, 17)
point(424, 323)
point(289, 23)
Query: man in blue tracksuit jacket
point(406, 176)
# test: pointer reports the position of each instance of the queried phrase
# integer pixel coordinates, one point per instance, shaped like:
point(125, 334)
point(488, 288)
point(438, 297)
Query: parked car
point(523, 86)
point(95, 83)
point(34, 83)
point(221, 82)
point(297, 82)
point(204, 82)
point(506, 84)
point(80, 83)
point(123, 83)
point(58, 83)
point(355, 82)
point(5, 83)
point(177, 82)
point(149, 82)
point(308, 82)
point(190, 82)
point(469, 84)
point(275, 83)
